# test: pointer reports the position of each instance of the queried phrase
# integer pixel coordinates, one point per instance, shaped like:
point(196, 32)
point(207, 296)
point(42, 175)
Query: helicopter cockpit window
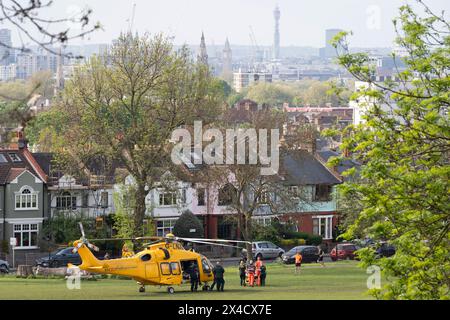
point(146, 257)
point(175, 267)
point(165, 269)
point(206, 266)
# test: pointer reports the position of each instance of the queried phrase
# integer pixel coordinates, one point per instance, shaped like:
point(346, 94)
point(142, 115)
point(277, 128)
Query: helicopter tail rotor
point(84, 241)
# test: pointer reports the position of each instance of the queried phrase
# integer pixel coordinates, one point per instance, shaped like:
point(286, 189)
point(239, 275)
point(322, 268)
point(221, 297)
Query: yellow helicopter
point(163, 262)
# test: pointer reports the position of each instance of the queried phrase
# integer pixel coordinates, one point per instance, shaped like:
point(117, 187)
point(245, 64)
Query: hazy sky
point(303, 22)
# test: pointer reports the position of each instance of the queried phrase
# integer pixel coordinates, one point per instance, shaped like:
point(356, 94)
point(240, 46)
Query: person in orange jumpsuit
point(298, 261)
point(251, 273)
point(258, 265)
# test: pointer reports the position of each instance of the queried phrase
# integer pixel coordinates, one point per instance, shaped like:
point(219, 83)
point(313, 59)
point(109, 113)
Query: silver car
point(265, 250)
point(4, 266)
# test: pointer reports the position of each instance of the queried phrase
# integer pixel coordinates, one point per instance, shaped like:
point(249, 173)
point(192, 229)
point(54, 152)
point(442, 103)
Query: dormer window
point(14, 157)
point(26, 199)
point(3, 159)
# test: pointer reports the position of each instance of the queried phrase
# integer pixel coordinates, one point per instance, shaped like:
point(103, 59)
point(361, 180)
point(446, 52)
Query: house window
point(66, 201)
point(294, 192)
point(183, 196)
point(167, 198)
point(322, 192)
point(3, 159)
point(14, 157)
point(323, 226)
point(201, 197)
point(163, 227)
point(26, 199)
point(26, 235)
point(263, 221)
point(104, 199)
point(85, 200)
point(226, 195)
point(264, 198)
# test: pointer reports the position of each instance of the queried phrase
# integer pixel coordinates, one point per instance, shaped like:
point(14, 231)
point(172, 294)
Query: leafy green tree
point(125, 106)
point(403, 147)
point(270, 93)
point(187, 222)
point(15, 109)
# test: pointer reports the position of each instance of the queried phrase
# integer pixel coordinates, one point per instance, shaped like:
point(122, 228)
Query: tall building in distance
point(329, 51)
point(227, 62)
point(203, 55)
point(6, 52)
point(276, 37)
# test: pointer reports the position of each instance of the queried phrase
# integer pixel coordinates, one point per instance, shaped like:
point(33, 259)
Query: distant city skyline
point(302, 23)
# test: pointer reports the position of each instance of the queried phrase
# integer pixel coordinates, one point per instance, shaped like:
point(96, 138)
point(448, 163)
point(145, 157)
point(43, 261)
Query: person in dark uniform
point(194, 276)
point(242, 270)
point(321, 254)
point(218, 272)
point(262, 276)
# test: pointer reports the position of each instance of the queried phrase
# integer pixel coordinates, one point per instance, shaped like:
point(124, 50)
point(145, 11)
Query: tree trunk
point(139, 209)
point(247, 234)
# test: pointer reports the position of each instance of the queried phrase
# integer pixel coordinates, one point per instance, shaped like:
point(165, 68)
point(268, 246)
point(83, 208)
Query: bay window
point(26, 235)
point(323, 226)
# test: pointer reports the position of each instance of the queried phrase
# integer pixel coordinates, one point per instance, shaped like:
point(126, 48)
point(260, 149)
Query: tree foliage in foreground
point(404, 150)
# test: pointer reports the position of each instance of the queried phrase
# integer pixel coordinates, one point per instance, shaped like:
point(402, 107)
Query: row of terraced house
point(31, 192)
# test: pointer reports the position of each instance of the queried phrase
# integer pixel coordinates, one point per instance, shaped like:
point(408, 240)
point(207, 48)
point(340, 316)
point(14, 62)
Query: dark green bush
point(314, 240)
point(187, 222)
point(266, 233)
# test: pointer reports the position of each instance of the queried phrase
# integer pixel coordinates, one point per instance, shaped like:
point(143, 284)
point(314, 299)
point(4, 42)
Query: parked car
point(343, 251)
point(309, 254)
point(4, 266)
point(385, 250)
point(264, 250)
point(59, 258)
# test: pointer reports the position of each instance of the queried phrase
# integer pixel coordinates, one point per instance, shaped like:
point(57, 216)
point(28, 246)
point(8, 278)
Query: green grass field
point(341, 280)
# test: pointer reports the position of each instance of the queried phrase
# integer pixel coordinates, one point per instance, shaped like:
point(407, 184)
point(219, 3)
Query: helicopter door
point(151, 271)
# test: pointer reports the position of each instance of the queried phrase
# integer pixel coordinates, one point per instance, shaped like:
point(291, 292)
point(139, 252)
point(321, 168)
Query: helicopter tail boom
point(88, 258)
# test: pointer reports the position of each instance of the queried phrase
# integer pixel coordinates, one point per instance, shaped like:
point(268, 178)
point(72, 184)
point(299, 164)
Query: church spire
point(203, 55)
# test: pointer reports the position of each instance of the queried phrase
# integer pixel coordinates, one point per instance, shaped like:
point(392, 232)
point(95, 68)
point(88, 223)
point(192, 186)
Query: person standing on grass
point(298, 262)
point(218, 272)
point(193, 274)
point(321, 254)
point(258, 265)
point(262, 276)
point(242, 270)
point(251, 273)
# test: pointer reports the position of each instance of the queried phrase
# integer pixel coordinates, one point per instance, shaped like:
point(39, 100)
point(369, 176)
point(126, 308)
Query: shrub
point(292, 242)
point(314, 240)
point(187, 222)
point(266, 233)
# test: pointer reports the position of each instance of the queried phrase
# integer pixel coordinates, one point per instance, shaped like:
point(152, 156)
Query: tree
point(30, 20)
point(125, 106)
point(242, 188)
point(185, 225)
point(404, 149)
point(270, 93)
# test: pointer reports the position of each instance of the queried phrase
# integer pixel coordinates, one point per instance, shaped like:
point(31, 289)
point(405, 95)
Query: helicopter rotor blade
point(215, 244)
point(215, 240)
point(75, 250)
point(129, 239)
point(93, 247)
point(83, 235)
